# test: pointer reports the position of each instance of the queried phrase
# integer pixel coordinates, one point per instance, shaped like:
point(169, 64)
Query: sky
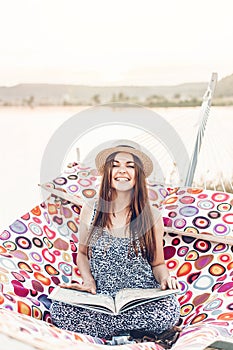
point(108, 42)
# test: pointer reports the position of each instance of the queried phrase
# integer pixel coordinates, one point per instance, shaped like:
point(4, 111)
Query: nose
point(122, 169)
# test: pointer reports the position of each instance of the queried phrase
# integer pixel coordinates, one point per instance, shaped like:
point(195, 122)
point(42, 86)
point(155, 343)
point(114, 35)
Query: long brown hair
point(140, 217)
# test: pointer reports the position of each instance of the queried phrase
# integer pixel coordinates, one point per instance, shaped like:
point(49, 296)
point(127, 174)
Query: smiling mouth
point(122, 179)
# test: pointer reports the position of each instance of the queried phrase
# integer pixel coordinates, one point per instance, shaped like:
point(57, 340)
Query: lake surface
point(25, 133)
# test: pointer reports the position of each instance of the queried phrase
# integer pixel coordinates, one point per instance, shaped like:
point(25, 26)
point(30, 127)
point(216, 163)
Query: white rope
point(64, 195)
point(205, 109)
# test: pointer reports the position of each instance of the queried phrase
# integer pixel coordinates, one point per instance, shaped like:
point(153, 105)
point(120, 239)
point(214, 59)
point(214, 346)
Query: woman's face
point(123, 172)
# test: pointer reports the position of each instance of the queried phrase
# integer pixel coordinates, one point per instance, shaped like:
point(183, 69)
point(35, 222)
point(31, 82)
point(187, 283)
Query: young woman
point(121, 246)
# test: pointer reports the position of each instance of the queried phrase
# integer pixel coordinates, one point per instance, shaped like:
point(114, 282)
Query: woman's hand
point(169, 283)
point(88, 286)
point(166, 281)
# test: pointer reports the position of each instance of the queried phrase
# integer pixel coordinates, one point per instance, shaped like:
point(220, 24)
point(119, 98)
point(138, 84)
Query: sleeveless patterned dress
point(115, 265)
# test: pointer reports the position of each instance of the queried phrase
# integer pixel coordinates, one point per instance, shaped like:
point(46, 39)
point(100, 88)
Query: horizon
point(116, 85)
point(119, 84)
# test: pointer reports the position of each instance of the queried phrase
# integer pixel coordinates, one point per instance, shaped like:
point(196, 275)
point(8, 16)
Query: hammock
point(38, 251)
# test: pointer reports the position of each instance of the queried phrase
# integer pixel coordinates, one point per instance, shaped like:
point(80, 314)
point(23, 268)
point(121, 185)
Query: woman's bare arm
point(158, 265)
point(89, 284)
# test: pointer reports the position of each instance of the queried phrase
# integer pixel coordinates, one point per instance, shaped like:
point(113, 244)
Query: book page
point(98, 302)
point(130, 297)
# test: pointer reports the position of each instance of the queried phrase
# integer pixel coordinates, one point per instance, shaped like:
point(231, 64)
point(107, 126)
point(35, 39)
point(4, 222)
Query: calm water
point(25, 133)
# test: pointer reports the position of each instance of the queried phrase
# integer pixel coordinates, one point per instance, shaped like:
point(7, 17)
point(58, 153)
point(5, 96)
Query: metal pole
point(205, 110)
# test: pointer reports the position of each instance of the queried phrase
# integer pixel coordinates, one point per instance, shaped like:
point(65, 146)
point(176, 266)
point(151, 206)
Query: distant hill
point(60, 93)
point(52, 94)
point(224, 87)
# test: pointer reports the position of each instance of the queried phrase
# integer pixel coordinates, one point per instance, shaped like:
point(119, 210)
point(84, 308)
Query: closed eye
point(128, 165)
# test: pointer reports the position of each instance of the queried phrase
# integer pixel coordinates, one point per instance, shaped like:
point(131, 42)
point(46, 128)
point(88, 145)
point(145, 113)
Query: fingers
point(71, 286)
point(164, 285)
point(174, 283)
point(93, 290)
point(177, 286)
point(80, 287)
point(170, 283)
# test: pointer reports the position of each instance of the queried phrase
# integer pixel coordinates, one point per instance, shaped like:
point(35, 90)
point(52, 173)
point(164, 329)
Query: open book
point(124, 300)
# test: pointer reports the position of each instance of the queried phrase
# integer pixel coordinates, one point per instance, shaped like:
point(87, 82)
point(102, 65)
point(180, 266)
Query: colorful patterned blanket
point(39, 249)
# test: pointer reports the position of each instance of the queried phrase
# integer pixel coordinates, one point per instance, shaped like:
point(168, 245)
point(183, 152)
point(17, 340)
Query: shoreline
point(162, 104)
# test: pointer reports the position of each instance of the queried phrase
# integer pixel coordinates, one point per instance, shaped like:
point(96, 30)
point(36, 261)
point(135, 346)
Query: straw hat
point(128, 147)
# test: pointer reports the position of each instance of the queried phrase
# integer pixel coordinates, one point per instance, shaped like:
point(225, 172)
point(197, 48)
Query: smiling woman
point(121, 246)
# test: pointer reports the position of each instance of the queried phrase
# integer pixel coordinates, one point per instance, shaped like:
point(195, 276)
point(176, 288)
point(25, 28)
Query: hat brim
point(101, 157)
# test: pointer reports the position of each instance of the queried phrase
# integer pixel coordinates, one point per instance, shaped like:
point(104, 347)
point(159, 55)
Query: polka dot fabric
point(78, 180)
point(34, 259)
point(83, 183)
point(38, 250)
point(194, 210)
point(205, 274)
point(204, 268)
